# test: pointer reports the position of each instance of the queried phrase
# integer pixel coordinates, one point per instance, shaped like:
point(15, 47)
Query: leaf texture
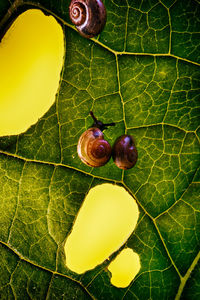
point(142, 72)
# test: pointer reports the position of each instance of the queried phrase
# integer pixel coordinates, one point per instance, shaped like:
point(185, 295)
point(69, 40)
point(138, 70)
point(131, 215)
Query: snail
point(89, 16)
point(124, 152)
point(92, 149)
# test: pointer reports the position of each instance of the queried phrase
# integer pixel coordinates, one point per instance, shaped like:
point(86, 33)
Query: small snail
point(92, 149)
point(124, 152)
point(89, 16)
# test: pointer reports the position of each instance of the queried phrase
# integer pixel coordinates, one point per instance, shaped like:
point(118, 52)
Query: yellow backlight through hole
point(31, 59)
point(124, 268)
point(106, 219)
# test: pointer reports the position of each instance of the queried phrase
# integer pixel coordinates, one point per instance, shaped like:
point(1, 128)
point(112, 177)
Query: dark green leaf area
point(159, 90)
point(183, 109)
point(151, 285)
point(114, 33)
point(65, 288)
point(198, 133)
point(67, 192)
point(29, 228)
point(168, 159)
point(145, 87)
point(10, 173)
point(8, 143)
point(143, 6)
point(197, 176)
point(155, 264)
point(192, 288)
point(4, 6)
point(41, 141)
point(89, 66)
point(186, 45)
point(180, 224)
point(21, 280)
point(156, 269)
point(186, 29)
point(185, 16)
point(158, 17)
point(148, 31)
point(168, 3)
point(9, 263)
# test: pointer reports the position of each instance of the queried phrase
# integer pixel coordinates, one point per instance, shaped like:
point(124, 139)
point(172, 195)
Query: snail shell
point(92, 149)
point(89, 16)
point(124, 152)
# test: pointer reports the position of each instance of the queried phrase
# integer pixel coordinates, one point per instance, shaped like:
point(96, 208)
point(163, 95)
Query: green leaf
point(142, 73)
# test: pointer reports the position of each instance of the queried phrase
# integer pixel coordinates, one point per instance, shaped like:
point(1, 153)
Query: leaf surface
point(142, 73)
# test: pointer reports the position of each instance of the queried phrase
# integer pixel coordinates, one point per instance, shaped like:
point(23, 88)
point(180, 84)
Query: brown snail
point(124, 152)
point(89, 16)
point(92, 149)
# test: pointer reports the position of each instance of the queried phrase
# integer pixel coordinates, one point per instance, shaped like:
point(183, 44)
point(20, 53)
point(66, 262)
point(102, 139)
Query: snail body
point(92, 149)
point(89, 16)
point(124, 152)
point(95, 151)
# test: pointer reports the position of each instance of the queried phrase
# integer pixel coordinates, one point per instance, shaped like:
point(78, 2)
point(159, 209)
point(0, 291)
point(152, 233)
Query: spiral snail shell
point(124, 152)
point(89, 16)
point(92, 149)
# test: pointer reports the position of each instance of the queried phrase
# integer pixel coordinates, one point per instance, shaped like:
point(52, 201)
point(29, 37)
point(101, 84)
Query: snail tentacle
point(97, 123)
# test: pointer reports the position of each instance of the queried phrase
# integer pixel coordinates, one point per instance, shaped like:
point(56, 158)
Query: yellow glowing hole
point(106, 219)
point(31, 59)
point(124, 268)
